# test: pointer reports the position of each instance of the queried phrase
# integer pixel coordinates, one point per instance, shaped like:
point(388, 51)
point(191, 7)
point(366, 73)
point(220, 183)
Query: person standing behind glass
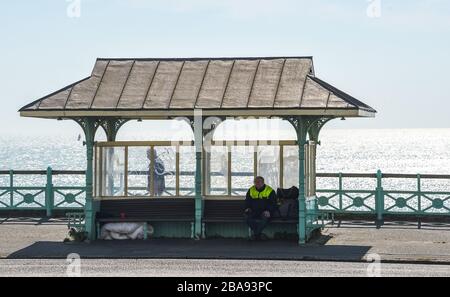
point(159, 180)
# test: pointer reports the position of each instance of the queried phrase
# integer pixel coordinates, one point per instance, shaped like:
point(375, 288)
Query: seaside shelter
point(195, 187)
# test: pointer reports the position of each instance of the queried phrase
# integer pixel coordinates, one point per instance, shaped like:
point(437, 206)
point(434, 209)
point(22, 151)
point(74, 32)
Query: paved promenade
point(351, 242)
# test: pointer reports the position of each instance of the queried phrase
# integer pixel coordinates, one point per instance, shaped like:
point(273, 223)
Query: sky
point(391, 54)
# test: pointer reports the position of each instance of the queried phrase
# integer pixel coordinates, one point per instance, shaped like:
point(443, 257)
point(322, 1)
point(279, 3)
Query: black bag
point(287, 202)
point(291, 193)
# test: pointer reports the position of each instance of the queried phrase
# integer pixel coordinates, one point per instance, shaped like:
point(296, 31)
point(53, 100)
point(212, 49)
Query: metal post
point(49, 193)
point(207, 175)
point(419, 201)
point(11, 191)
point(340, 191)
point(177, 172)
point(89, 208)
point(301, 138)
point(198, 139)
point(379, 200)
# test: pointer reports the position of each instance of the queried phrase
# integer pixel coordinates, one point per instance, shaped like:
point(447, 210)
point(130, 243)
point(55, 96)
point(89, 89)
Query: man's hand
point(266, 214)
point(247, 210)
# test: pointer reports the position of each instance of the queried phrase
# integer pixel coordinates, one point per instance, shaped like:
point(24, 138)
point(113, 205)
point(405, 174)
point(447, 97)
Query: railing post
point(49, 193)
point(419, 201)
point(340, 191)
point(379, 200)
point(11, 190)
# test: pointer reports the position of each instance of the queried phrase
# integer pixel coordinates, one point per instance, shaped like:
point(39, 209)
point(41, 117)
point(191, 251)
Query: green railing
point(350, 194)
point(379, 201)
point(48, 197)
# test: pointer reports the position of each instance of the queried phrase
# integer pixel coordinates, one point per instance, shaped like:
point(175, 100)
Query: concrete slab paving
point(351, 242)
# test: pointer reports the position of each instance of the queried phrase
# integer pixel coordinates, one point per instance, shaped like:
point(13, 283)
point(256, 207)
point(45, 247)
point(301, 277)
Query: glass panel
point(290, 166)
point(310, 169)
point(242, 169)
point(138, 171)
point(164, 171)
point(113, 171)
point(218, 166)
point(97, 172)
point(269, 165)
point(187, 171)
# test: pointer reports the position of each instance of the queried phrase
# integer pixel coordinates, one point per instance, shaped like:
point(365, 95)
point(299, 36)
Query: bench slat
point(152, 209)
point(232, 211)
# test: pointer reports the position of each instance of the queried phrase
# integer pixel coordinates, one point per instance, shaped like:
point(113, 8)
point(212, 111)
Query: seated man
point(260, 203)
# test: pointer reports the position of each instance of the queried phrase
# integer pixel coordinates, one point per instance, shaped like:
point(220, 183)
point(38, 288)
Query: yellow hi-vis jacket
point(264, 194)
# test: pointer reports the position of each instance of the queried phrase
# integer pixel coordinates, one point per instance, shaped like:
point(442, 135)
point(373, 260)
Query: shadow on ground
point(192, 249)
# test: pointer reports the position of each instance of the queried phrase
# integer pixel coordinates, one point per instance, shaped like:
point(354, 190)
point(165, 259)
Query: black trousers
point(257, 223)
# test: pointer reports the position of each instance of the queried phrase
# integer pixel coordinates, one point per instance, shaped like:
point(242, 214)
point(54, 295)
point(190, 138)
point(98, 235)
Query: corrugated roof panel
point(240, 84)
point(56, 101)
point(138, 85)
point(336, 102)
point(146, 85)
point(213, 86)
point(33, 106)
point(292, 80)
point(163, 84)
point(188, 84)
point(266, 83)
point(112, 84)
point(83, 93)
point(353, 102)
point(314, 95)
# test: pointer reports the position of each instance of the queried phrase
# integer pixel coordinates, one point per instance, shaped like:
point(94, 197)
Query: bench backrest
point(151, 208)
point(224, 209)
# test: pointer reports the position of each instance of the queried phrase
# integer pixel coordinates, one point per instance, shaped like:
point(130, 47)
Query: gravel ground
point(212, 268)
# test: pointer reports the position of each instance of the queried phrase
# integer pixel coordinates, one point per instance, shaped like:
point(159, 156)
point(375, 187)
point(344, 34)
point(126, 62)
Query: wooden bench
point(146, 210)
point(232, 211)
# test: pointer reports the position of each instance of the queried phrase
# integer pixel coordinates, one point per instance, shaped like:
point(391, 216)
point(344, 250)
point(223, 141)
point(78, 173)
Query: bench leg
point(203, 230)
point(145, 230)
point(192, 230)
point(97, 235)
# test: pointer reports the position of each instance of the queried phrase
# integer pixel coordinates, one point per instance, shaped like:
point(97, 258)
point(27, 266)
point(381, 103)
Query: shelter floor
point(351, 241)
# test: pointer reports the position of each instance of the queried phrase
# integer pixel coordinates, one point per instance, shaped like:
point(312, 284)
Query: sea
point(412, 151)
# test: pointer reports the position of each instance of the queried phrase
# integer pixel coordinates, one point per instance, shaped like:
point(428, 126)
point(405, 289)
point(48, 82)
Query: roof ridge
point(205, 58)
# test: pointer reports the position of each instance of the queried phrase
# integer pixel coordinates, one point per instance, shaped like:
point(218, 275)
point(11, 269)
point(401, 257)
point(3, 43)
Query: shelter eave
point(170, 113)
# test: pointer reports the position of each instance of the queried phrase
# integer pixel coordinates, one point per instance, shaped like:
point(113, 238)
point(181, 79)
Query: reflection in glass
point(187, 170)
point(242, 169)
point(269, 165)
point(138, 171)
point(290, 166)
point(218, 168)
point(113, 171)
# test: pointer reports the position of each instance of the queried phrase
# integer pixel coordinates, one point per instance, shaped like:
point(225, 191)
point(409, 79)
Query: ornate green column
point(302, 131)
point(89, 126)
point(304, 126)
point(111, 126)
point(198, 142)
